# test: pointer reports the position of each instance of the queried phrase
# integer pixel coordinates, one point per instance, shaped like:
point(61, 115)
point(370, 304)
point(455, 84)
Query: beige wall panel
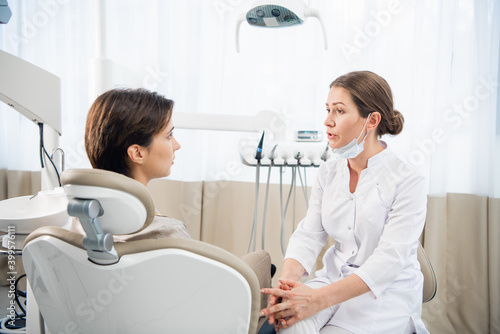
point(494, 263)
point(179, 200)
point(461, 240)
point(22, 183)
point(228, 211)
point(3, 184)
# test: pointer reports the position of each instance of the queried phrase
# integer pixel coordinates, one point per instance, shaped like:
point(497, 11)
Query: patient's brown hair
point(122, 117)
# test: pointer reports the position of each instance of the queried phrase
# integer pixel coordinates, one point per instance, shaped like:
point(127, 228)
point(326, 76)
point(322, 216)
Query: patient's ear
point(135, 154)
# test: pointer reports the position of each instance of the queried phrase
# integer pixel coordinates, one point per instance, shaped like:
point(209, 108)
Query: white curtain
point(440, 58)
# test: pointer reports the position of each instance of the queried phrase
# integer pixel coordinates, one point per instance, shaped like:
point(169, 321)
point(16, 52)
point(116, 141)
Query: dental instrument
point(278, 13)
point(326, 152)
point(258, 154)
point(258, 157)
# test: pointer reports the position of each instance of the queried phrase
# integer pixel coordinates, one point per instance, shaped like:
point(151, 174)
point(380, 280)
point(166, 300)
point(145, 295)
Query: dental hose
point(265, 208)
point(305, 182)
point(283, 212)
point(294, 194)
point(282, 235)
point(253, 234)
point(304, 186)
point(44, 151)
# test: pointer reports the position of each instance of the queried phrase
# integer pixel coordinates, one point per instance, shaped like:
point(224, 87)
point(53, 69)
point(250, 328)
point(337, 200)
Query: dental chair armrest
point(260, 262)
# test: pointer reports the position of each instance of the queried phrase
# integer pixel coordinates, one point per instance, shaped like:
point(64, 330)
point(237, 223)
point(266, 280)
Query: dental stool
point(430, 280)
point(88, 284)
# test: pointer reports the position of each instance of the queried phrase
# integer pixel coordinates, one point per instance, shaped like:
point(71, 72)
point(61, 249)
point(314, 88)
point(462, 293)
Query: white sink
point(27, 213)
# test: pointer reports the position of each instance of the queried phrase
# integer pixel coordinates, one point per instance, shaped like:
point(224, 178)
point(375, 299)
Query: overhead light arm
point(313, 12)
point(239, 21)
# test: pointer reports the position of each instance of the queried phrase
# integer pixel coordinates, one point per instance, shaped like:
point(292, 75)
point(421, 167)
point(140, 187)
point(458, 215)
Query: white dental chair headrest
point(128, 206)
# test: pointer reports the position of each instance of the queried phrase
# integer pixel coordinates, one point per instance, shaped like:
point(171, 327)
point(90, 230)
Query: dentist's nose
point(329, 122)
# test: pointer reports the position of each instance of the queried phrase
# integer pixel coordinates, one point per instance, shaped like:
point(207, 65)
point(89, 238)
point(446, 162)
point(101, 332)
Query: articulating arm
point(99, 246)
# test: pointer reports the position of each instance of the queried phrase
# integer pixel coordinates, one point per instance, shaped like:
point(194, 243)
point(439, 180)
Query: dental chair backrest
point(143, 286)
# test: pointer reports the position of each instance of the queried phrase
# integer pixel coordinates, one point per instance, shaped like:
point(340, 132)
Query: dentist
point(374, 206)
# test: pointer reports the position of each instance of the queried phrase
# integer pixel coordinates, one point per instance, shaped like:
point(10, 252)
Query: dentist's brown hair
point(371, 93)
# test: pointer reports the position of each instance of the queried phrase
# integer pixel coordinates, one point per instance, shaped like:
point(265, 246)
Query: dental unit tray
point(286, 153)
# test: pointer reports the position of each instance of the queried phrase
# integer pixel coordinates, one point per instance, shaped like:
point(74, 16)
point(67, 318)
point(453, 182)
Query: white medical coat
point(376, 231)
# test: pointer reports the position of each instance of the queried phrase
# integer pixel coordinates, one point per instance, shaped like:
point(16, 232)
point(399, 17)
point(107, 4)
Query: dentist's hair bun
point(392, 126)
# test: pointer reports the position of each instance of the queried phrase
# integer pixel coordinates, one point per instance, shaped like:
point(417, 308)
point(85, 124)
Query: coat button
point(349, 227)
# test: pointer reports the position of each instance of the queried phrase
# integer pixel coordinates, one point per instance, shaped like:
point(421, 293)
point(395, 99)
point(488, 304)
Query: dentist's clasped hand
point(291, 302)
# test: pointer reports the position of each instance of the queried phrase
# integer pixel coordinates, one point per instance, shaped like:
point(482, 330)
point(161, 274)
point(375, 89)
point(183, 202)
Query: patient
point(130, 131)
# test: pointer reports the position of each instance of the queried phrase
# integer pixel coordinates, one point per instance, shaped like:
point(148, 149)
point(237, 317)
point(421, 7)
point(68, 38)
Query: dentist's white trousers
point(316, 323)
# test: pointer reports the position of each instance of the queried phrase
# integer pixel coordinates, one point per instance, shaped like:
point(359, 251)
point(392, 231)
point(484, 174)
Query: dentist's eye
point(170, 135)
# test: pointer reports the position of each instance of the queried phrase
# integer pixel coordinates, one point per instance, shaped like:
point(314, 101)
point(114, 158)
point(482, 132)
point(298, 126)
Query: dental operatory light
point(5, 12)
point(278, 13)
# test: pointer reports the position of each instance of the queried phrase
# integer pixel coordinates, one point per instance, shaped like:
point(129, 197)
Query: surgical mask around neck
point(353, 149)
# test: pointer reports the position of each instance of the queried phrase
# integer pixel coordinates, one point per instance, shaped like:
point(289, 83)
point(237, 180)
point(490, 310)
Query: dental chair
point(88, 284)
